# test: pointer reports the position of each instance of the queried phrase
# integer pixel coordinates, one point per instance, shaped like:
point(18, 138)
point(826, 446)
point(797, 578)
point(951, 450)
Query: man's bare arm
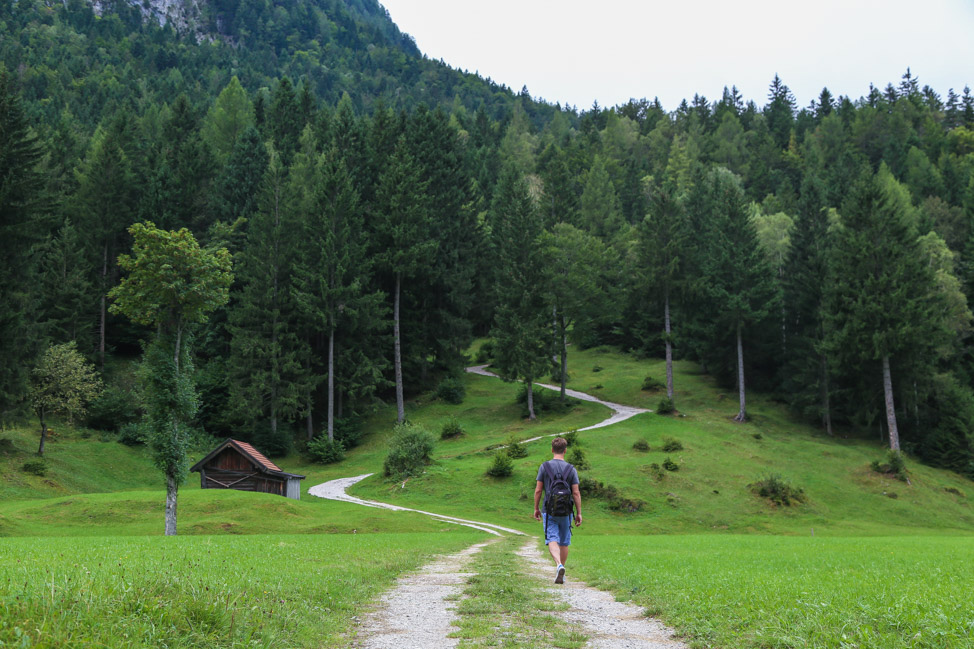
point(577, 497)
point(537, 499)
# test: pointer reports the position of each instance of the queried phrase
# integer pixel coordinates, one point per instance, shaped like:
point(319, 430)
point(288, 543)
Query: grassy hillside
point(708, 492)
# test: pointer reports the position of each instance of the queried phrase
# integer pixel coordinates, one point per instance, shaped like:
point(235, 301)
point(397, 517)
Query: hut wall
point(294, 488)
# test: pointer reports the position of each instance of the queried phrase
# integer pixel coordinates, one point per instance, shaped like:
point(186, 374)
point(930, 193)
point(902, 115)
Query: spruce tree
point(521, 323)
point(266, 357)
point(22, 203)
point(404, 237)
point(883, 306)
point(331, 271)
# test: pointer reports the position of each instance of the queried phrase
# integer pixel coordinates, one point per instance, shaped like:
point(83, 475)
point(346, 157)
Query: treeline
point(822, 254)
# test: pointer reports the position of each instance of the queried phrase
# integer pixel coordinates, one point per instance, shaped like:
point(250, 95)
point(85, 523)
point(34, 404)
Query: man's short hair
point(558, 445)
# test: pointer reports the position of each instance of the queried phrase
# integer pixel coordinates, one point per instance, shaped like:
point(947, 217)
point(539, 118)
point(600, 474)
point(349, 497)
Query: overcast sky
point(577, 52)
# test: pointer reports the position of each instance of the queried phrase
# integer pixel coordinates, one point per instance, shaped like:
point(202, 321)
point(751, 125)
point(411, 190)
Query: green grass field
point(773, 592)
point(202, 591)
point(888, 565)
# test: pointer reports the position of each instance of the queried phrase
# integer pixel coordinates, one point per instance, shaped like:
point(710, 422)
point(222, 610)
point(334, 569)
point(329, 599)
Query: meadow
point(201, 591)
point(866, 562)
point(775, 592)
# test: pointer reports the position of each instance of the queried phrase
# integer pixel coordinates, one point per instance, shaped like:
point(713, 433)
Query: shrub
point(515, 449)
point(35, 467)
point(571, 437)
point(671, 445)
point(617, 501)
point(502, 467)
point(451, 390)
point(7, 447)
point(670, 465)
point(640, 445)
point(451, 429)
point(114, 408)
point(325, 451)
point(665, 406)
point(409, 451)
point(757, 435)
point(576, 457)
point(132, 434)
point(651, 384)
point(657, 471)
point(894, 466)
point(486, 352)
point(778, 491)
point(348, 430)
point(597, 368)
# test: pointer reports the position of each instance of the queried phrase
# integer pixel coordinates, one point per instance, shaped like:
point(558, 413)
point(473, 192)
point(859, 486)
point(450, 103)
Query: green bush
point(651, 384)
point(671, 445)
point(451, 390)
point(486, 352)
point(576, 457)
point(665, 406)
point(670, 465)
point(515, 449)
point(114, 408)
point(502, 466)
point(597, 368)
point(640, 445)
point(132, 434)
point(571, 437)
point(778, 491)
point(348, 430)
point(657, 471)
point(410, 450)
point(35, 467)
point(7, 447)
point(617, 501)
point(451, 429)
point(325, 451)
point(895, 466)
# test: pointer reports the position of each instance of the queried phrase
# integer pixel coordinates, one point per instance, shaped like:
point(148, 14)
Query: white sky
point(575, 52)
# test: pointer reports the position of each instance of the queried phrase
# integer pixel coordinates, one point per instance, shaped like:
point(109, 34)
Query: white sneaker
point(560, 576)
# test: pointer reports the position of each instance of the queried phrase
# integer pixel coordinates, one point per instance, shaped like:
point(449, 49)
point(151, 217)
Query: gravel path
point(619, 411)
point(418, 613)
point(607, 623)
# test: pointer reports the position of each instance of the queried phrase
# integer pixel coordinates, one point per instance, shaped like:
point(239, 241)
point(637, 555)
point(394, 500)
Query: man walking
point(559, 481)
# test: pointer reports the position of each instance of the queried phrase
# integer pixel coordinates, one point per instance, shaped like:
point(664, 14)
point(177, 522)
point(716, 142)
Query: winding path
point(336, 489)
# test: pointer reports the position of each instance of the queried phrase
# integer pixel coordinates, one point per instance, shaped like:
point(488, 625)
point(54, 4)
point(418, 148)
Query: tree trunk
point(400, 405)
point(826, 406)
point(564, 358)
point(530, 384)
point(40, 449)
point(742, 415)
point(172, 493)
point(894, 433)
point(331, 383)
point(102, 314)
point(554, 331)
point(669, 348)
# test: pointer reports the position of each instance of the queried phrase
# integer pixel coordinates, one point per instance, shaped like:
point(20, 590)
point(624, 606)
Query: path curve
point(336, 489)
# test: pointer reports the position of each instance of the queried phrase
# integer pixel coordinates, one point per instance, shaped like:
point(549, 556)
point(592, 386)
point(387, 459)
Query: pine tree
point(231, 114)
point(22, 203)
point(599, 210)
point(266, 358)
point(662, 249)
point(737, 278)
point(332, 270)
point(520, 331)
point(64, 287)
point(404, 237)
point(239, 185)
point(882, 306)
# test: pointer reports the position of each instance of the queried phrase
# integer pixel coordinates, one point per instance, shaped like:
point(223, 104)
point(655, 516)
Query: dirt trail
point(418, 612)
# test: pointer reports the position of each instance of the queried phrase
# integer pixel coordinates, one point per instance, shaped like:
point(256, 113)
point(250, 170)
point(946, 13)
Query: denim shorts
point(559, 529)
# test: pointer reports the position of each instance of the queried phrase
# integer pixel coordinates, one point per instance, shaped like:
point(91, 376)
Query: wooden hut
point(238, 465)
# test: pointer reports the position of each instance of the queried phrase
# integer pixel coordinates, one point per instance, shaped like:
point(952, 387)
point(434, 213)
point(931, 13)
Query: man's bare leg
point(564, 553)
point(556, 552)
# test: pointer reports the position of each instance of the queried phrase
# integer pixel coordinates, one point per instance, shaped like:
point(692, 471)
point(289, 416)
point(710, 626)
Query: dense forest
point(381, 210)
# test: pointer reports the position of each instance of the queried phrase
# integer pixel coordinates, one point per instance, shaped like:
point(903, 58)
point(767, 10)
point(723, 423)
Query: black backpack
point(558, 499)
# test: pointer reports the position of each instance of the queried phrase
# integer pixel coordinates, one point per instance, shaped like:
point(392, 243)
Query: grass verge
point(504, 608)
point(206, 592)
point(747, 592)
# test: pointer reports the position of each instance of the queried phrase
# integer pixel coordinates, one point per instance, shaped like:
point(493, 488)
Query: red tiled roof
point(257, 455)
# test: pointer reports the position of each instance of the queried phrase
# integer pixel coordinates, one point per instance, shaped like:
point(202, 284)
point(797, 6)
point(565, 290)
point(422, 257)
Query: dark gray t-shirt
point(557, 467)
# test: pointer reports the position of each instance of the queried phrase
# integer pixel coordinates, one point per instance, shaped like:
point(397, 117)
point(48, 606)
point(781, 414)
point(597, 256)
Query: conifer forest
point(282, 213)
